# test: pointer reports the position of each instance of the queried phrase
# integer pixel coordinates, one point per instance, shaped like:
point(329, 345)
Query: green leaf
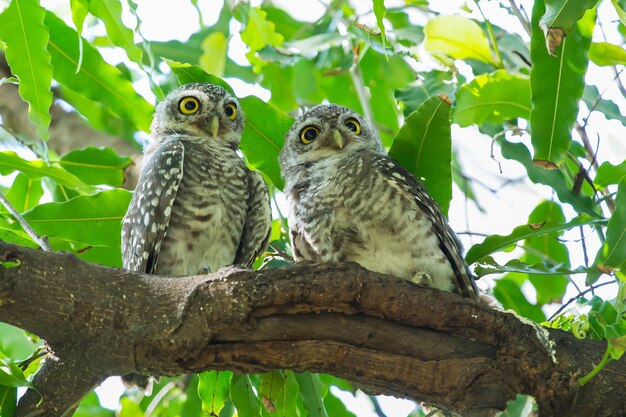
point(11, 375)
point(17, 237)
point(620, 9)
point(556, 87)
point(8, 401)
point(263, 136)
point(457, 37)
point(213, 389)
point(94, 220)
point(607, 54)
point(610, 174)
point(24, 193)
point(617, 345)
point(258, 33)
point(427, 85)
point(187, 73)
point(80, 10)
point(547, 248)
point(90, 407)
point(509, 294)
point(214, 49)
point(279, 80)
point(553, 178)
point(23, 31)
point(424, 145)
point(313, 392)
point(36, 168)
point(110, 12)
point(488, 265)
point(379, 12)
point(243, 397)
point(285, 24)
point(612, 255)
point(335, 407)
point(495, 243)
point(278, 394)
point(594, 101)
point(96, 165)
point(382, 75)
point(521, 406)
point(96, 79)
point(564, 13)
point(492, 98)
point(100, 117)
point(15, 343)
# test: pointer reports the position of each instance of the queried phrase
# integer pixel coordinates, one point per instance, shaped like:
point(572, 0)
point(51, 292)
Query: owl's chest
point(208, 215)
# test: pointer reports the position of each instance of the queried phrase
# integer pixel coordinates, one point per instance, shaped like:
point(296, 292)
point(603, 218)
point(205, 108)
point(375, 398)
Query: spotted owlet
point(349, 201)
point(196, 205)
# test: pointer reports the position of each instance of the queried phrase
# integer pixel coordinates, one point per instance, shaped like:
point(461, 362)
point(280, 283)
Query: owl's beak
point(337, 139)
point(215, 126)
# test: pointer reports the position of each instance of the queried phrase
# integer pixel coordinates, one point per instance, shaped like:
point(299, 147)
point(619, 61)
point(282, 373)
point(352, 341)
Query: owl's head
point(325, 131)
point(201, 110)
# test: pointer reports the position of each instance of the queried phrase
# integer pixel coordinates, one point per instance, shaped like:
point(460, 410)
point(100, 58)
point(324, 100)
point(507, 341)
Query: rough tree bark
point(381, 332)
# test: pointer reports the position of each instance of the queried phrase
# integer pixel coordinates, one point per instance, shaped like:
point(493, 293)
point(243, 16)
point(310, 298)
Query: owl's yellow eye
point(354, 125)
point(189, 105)
point(230, 110)
point(308, 134)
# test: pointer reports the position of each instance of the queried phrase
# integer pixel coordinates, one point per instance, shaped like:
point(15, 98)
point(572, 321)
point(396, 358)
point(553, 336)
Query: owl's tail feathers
point(143, 382)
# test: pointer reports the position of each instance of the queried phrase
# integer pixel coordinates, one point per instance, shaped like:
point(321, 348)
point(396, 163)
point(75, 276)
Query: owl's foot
point(205, 270)
point(422, 278)
point(231, 269)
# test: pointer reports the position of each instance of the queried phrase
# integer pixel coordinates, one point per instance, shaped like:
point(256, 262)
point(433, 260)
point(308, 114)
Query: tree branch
point(386, 334)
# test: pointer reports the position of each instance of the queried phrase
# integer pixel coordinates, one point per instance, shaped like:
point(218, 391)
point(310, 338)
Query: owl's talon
point(422, 279)
point(205, 270)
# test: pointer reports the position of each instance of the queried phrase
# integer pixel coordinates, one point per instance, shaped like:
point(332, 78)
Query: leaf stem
point(492, 36)
point(359, 86)
point(606, 359)
point(41, 241)
point(576, 297)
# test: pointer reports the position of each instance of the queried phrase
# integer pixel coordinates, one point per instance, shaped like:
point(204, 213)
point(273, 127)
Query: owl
point(349, 201)
point(196, 207)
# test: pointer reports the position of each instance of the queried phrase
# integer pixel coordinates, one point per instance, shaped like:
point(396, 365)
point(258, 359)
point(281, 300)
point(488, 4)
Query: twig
point(591, 289)
point(620, 85)
point(41, 241)
point(359, 86)
point(591, 157)
point(473, 234)
point(597, 100)
point(377, 409)
point(582, 240)
point(31, 146)
point(281, 253)
point(491, 35)
point(523, 20)
point(158, 397)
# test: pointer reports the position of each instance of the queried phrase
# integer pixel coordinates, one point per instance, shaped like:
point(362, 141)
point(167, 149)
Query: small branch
point(359, 86)
point(491, 36)
point(522, 19)
point(377, 408)
point(591, 157)
point(591, 289)
point(41, 241)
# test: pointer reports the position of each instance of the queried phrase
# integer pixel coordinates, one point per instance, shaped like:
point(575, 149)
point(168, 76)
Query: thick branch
point(386, 334)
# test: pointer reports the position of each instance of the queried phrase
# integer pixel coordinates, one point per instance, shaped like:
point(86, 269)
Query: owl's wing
point(150, 209)
point(256, 230)
point(448, 241)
